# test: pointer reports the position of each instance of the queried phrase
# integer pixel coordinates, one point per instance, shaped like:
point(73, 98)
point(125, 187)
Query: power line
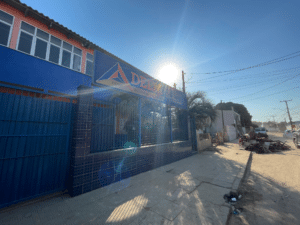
point(267, 88)
point(271, 94)
point(239, 87)
point(261, 64)
point(247, 76)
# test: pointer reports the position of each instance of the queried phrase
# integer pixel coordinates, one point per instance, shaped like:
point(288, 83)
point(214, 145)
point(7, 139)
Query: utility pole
point(235, 120)
point(274, 121)
point(287, 107)
point(222, 119)
point(183, 84)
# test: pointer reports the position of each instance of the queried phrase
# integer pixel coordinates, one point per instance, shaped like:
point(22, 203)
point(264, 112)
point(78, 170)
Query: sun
point(168, 73)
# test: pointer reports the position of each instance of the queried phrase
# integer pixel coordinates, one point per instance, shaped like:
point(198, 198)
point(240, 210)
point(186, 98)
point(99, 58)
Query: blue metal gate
point(103, 127)
point(34, 142)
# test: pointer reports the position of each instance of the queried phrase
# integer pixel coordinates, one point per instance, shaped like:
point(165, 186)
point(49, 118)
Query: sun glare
point(168, 74)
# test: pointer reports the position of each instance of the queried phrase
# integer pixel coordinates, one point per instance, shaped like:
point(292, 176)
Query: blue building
point(75, 117)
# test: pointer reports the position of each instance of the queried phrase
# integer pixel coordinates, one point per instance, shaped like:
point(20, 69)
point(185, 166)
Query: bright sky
point(200, 37)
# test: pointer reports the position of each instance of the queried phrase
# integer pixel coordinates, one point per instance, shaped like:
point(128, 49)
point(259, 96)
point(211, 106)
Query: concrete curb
point(240, 179)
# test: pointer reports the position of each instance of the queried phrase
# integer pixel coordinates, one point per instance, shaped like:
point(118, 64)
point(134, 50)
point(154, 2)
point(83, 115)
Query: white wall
point(231, 132)
point(228, 115)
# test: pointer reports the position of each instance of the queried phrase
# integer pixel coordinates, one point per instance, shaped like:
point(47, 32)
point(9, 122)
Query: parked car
point(261, 130)
point(288, 134)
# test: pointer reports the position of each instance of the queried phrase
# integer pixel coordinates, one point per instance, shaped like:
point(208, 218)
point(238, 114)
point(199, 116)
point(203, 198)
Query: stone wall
point(202, 143)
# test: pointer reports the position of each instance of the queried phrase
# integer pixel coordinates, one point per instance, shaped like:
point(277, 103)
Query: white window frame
point(71, 59)
point(33, 39)
point(11, 28)
point(49, 43)
point(73, 53)
point(86, 59)
point(60, 51)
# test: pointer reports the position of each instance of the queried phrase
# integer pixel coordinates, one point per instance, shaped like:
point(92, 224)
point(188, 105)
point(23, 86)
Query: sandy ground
point(271, 191)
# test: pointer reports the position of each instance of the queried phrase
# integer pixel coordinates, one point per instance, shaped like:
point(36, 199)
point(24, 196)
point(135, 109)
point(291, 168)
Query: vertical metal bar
point(140, 123)
point(114, 125)
point(170, 119)
point(69, 112)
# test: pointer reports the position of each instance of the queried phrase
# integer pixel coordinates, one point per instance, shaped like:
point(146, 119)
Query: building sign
point(115, 74)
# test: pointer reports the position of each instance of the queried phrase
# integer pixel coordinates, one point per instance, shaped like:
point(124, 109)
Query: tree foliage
point(240, 109)
point(200, 108)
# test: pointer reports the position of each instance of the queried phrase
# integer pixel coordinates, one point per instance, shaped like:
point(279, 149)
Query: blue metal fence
point(34, 139)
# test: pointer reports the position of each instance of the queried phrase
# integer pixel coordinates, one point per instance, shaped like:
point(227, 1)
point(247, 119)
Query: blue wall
point(107, 68)
point(19, 68)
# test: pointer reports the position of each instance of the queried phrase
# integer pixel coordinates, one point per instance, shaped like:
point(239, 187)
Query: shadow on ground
point(266, 201)
point(189, 191)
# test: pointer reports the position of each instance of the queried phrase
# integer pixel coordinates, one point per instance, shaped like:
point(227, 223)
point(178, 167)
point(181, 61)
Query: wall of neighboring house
point(228, 116)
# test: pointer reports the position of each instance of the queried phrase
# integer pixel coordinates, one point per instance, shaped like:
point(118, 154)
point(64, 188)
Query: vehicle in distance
point(288, 133)
point(261, 130)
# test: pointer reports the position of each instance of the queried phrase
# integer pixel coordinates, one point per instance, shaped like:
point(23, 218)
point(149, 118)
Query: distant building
point(296, 123)
point(232, 124)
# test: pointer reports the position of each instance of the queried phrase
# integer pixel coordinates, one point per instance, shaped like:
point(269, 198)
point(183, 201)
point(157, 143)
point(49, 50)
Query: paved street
point(189, 191)
point(272, 188)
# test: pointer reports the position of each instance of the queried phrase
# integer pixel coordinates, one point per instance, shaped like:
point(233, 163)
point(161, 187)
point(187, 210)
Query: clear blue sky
point(200, 37)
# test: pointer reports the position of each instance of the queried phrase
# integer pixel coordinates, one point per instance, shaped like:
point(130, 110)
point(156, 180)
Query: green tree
point(240, 109)
point(200, 108)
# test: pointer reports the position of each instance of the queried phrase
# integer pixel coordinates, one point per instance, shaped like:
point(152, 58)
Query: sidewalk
point(189, 191)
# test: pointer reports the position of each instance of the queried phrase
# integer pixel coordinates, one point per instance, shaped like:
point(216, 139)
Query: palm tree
point(201, 109)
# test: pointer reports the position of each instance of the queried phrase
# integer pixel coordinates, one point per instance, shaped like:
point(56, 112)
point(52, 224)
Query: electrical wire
point(251, 76)
point(239, 87)
point(261, 64)
point(271, 94)
point(267, 88)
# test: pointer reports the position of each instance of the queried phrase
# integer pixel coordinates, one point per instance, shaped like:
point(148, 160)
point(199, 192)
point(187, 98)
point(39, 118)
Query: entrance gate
point(34, 142)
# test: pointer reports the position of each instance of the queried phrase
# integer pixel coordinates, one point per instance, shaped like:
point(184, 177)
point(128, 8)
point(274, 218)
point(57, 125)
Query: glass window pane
point(27, 27)
point(4, 33)
point(54, 54)
point(89, 68)
point(56, 41)
point(90, 56)
point(67, 46)
point(66, 59)
point(25, 42)
point(77, 51)
point(40, 48)
point(43, 35)
point(77, 63)
point(6, 17)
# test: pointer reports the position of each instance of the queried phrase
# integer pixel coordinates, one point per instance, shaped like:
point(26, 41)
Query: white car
point(261, 130)
point(288, 134)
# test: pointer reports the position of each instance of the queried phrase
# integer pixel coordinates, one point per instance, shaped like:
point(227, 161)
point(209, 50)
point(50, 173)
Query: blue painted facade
point(116, 75)
point(68, 134)
point(22, 69)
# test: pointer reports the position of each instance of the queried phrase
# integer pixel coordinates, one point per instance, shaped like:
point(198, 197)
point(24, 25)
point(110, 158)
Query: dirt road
point(271, 191)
